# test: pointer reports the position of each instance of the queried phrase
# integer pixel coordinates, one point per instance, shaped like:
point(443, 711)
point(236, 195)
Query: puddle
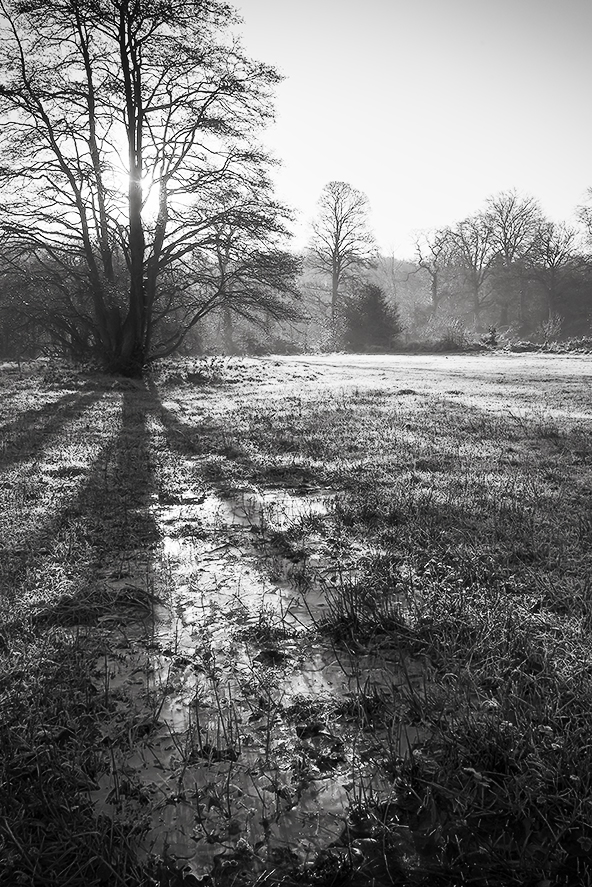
point(249, 733)
point(214, 548)
point(278, 508)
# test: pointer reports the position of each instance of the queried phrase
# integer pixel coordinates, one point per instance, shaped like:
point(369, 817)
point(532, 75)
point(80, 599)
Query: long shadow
point(498, 524)
point(113, 502)
point(27, 434)
point(497, 518)
point(49, 732)
point(107, 520)
point(185, 439)
point(28, 417)
point(212, 439)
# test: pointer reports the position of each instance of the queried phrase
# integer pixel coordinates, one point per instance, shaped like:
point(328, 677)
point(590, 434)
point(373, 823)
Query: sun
point(117, 184)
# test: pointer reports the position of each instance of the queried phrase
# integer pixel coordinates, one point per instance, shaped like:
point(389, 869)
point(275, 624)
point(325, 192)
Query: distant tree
point(584, 213)
point(342, 239)
point(117, 119)
point(473, 252)
point(404, 285)
point(434, 253)
point(370, 323)
point(237, 268)
point(552, 254)
point(514, 222)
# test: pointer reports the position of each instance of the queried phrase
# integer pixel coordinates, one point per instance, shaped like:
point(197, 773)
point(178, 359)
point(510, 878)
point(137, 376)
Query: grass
point(453, 562)
point(479, 559)
point(70, 481)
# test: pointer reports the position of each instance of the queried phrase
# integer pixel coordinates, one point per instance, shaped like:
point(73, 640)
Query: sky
point(427, 106)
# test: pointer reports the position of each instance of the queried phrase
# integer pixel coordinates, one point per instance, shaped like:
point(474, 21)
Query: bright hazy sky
point(428, 106)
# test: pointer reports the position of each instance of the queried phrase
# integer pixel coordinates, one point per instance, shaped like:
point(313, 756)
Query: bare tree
point(552, 253)
point(474, 252)
point(514, 222)
point(584, 213)
point(434, 256)
point(240, 275)
point(342, 238)
point(117, 118)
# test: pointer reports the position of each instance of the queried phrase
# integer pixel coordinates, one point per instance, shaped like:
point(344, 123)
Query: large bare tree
point(342, 239)
point(121, 123)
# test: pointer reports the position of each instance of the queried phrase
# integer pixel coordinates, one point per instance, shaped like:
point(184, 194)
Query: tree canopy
point(126, 129)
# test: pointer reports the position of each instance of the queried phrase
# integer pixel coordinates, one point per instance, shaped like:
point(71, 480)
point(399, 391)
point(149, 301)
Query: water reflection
point(255, 735)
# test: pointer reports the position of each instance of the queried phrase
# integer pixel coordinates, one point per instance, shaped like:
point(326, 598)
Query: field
point(322, 620)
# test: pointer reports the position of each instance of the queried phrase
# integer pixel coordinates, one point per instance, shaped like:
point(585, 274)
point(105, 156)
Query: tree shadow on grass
point(28, 433)
point(231, 464)
point(105, 526)
point(52, 711)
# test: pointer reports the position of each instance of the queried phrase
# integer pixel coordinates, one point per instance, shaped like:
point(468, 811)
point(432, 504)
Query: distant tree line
point(505, 272)
point(510, 267)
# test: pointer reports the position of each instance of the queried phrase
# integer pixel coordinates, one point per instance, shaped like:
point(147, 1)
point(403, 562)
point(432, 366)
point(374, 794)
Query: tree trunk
point(227, 327)
point(434, 293)
point(334, 294)
point(476, 306)
point(132, 354)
